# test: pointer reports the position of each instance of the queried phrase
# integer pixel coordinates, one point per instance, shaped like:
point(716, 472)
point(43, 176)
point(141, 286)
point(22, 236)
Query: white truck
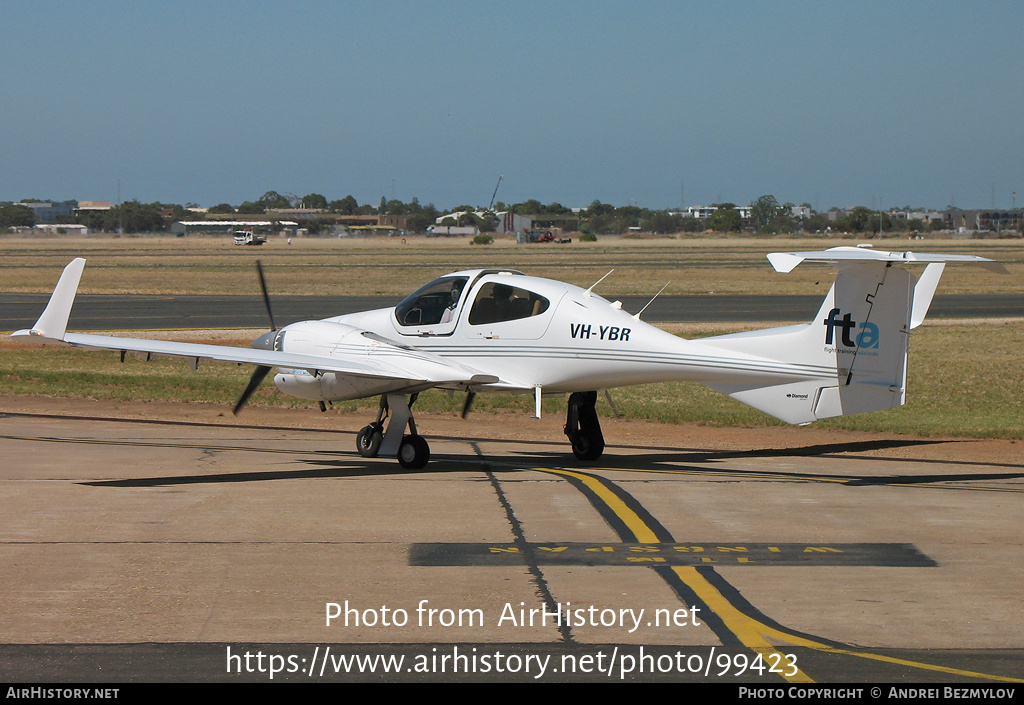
point(247, 237)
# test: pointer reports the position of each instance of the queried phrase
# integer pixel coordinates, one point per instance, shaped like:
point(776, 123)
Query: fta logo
point(867, 337)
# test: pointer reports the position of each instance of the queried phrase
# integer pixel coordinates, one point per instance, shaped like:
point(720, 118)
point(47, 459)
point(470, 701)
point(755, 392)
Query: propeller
point(266, 296)
point(264, 342)
point(257, 377)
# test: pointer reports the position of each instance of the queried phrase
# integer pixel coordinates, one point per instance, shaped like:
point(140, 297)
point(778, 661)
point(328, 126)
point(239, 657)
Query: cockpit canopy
point(494, 301)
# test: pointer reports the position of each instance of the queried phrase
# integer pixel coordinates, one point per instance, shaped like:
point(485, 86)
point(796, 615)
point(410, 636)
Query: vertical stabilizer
point(851, 358)
point(867, 332)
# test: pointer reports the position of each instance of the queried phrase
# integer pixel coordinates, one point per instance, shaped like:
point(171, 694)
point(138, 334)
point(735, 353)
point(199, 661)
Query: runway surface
point(168, 543)
point(104, 312)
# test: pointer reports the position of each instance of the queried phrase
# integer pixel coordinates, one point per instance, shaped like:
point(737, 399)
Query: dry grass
point(393, 267)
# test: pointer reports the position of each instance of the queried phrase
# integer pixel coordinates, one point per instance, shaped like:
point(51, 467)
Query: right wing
point(391, 361)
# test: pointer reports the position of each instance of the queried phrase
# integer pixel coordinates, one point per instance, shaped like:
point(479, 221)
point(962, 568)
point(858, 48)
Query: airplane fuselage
point(555, 336)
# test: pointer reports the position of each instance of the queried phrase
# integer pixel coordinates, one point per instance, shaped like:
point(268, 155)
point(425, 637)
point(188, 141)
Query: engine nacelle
point(321, 338)
point(334, 387)
point(327, 339)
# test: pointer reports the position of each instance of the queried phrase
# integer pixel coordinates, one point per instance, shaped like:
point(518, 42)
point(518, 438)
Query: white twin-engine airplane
point(496, 330)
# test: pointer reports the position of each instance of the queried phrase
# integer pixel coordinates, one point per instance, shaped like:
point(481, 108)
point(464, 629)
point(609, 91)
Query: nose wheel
point(368, 440)
point(412, 450)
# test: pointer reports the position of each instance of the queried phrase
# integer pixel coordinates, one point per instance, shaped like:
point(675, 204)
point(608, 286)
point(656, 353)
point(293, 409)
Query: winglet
point(53, 323)
point(924, 290)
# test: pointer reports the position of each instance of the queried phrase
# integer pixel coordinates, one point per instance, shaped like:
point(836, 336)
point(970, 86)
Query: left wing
point(394, 361)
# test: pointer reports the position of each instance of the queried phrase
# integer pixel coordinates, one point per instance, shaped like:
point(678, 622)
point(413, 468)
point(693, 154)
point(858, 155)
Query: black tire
point(584, 447)
point(413, 453)
point(368, 441)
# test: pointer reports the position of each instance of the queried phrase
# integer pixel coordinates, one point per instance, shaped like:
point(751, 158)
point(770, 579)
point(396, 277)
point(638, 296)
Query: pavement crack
point(543, 589)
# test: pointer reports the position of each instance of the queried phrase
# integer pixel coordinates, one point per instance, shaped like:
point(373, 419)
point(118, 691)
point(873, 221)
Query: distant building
point(92, 206)
point(61, 228)
point(51, 212)
point(934, 219)
point(505, 222)
point(973, 220)
point(700, 212)
point(227, 227)
point(705, 212)
point(370, 222)
point(453, 231)
point(510, 222)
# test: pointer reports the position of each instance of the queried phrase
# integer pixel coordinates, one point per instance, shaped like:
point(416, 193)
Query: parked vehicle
point(247, 237)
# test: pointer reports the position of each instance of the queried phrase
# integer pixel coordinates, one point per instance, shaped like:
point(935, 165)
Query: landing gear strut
point(583, 427)
point(411, 449)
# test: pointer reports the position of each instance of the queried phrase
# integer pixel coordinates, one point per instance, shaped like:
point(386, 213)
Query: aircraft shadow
point(698, 462)
point(358, 467)
point(341, 465)
point(346, 464)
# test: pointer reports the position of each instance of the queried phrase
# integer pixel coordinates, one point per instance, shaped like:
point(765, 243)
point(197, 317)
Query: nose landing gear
point(412, 450)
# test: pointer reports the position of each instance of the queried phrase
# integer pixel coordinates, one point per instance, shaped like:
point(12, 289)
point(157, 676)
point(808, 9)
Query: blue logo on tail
point(866, 339)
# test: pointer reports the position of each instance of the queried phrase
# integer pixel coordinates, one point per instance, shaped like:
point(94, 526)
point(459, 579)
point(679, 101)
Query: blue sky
point(861, 103)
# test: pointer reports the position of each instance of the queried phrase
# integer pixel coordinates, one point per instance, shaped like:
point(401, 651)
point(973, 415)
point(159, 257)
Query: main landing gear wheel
point(413, 453)
point(584, 447)
point(368, 440)
point(583, 427)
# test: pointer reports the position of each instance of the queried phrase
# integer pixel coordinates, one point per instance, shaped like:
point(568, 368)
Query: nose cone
point(265, 341)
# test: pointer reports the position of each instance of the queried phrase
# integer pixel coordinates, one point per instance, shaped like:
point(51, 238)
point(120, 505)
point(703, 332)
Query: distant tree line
point(13, 216)
point(134, 217)
point(766, 216)
point(418, 217)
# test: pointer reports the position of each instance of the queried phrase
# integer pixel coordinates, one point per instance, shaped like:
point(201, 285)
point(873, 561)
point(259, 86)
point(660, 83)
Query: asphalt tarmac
point(105, 312)
point(178, 546)
point(160, 543)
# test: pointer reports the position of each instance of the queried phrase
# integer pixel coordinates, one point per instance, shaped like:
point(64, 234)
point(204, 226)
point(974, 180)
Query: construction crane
point(491, 204)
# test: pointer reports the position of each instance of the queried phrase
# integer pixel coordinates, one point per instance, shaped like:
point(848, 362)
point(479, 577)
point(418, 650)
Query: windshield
point(434, 303)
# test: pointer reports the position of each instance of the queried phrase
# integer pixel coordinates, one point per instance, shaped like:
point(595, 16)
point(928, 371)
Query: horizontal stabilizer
point(788, 261)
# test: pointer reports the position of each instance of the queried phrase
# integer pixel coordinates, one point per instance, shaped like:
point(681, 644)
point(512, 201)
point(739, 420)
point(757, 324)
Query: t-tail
point(852, 357)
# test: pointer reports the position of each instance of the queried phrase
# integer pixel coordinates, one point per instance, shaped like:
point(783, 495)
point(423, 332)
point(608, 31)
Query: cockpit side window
point(497, 302)
point(437, 302)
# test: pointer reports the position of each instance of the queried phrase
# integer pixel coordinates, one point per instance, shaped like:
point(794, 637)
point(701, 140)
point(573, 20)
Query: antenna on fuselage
point(587, 292)
point(637, 314)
